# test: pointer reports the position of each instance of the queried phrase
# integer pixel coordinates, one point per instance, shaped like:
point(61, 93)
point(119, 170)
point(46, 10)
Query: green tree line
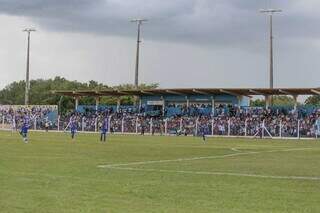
point(41, 93)
point(287, 101)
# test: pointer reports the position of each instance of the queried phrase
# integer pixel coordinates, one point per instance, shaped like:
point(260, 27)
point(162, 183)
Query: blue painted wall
point(196, 98)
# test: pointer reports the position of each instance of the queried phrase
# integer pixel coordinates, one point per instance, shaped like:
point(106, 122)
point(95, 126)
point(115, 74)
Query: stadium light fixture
point(139, 22)
point(270, 11)
point(26, 98)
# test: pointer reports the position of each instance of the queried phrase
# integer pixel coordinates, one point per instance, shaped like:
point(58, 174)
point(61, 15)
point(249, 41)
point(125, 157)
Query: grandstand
point(195, 111)
point(213, 96)
point(213, 112)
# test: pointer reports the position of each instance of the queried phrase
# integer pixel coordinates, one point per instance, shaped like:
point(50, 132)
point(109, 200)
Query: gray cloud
point(209, 22)
point(189, 43)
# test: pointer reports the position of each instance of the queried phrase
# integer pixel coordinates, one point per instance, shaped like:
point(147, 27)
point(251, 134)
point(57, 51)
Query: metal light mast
point(26, 97)
point(139, 23)
point(270, 13)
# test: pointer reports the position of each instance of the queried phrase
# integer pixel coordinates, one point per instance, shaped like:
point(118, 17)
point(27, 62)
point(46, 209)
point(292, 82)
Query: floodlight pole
point(270, 13)
point(271, 52)
point(139, 23)
point(26, 97)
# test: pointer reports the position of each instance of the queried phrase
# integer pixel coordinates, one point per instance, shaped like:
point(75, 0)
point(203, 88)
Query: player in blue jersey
point(104, 129)
point(24, 128)
point(202, 133)
point(73, 127)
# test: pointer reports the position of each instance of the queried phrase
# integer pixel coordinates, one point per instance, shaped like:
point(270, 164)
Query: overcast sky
point(186, 43)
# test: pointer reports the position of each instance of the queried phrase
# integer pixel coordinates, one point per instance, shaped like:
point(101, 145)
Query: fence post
point(14, 124)
point(96, 124)
point(280, 129)
point(166, 126)
point(229, 125)
point(122, 125)
point(197, 126)
point(58, 126)
point(137, 125)
point(262, 129)
point(109, 123)
point(245, 127)
point(151, 125)
point(212, 128)
point(298, 130)
point(35, 123)
point(82, 124)
point(3, 122)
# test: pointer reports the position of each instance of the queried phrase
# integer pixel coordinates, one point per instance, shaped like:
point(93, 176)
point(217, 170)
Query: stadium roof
point(193, 91)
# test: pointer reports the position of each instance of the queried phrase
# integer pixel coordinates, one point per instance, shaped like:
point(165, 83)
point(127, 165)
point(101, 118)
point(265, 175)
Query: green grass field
point(157, 174)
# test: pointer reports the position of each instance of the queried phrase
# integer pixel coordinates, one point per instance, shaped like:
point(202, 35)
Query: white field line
point(198, 158)
point(220, 174)
point(170, 135)
point(235, 150)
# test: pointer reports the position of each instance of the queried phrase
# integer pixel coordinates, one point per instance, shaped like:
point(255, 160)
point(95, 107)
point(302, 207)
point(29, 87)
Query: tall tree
point(280, 100)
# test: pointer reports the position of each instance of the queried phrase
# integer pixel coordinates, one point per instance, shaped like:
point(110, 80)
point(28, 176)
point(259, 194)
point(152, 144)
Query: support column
point(76, 102)
point(188, 101)
point(213, 103)
point(97, 103)
point(239, 101)
point(295, 98)
point(118, 104)
point(268, 101)
point(163, 107)
point(140, 105)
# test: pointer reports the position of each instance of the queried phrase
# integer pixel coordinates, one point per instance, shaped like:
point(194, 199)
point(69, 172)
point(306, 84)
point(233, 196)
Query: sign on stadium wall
point(155, 103)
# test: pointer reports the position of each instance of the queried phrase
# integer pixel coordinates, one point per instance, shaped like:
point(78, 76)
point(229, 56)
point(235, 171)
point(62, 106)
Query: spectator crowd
point(228, 121)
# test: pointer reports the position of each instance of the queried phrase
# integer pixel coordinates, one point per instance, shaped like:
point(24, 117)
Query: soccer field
point(157, 174)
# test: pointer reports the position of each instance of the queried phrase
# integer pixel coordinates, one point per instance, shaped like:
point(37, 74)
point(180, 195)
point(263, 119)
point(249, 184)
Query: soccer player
point(46, 126)
point(203, 134)
point(203, 137)
point(73, 126)
point(104, 129)
point(24, 128)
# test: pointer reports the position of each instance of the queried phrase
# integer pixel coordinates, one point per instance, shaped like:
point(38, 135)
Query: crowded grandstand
point(175, 119)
